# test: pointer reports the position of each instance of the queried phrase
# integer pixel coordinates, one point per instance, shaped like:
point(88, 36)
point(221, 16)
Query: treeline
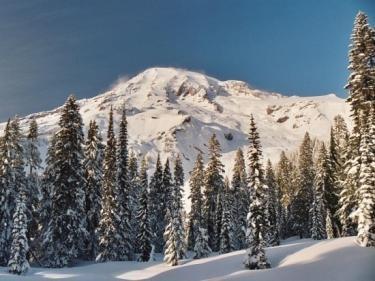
point(92, 201)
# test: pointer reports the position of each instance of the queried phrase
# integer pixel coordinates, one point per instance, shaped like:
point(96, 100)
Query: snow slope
point(295, 260)
point(176, 111)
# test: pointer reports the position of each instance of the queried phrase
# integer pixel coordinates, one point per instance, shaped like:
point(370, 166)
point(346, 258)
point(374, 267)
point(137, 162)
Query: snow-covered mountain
point(175, 111)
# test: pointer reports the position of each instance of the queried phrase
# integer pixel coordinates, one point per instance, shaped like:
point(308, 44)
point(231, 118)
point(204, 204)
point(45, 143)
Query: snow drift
point(295, 260)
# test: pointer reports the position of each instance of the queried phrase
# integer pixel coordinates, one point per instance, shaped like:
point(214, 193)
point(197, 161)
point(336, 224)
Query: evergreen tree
point(213, 182)
point(18, 263)
point(156, 207)
point(329, 228)
point(47, 189)
point(66, 232)
point(167, 189)
point(177, 192)
point(321, 183)
point(241, 197)
point(196, 183)
point(226, 234)
point(286, 181)
point(7, 192)
point(21, 213)
point(144, 232)
point(361, 86)
point(93, 174)
point(257, 218)
point(201, 247)
point(365, 214)
point(135, 197)
point(273, 205)
point(361, 81)
point(170, 236)
point(33, 164)
point(304, 194)
point(123, 188)
point(109, 232)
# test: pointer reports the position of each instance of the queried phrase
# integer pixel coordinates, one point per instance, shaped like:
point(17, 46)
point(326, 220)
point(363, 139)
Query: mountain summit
point(175, 111)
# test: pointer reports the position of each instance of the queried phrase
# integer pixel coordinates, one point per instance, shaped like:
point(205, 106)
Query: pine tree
point(273, 205)
point(196, 213)
point(156, 207)
point(329, 228)
point(134, 197)
point(201, 247)
point(304, 194)
point(286, 182)
point(177, 192)
point(144, 232)
point(365, 214)
point(257, 218)
point(47, 189)
point(93, 174)
point(321, 182)
point(19, 242)
point(18, 263)
point(66, 229)
point(361, 81)
point(167, 189)
point(170, 236)
point(226, 234)
point(123, 188)
point(33, 164)
point(7, 192)
point(214, 183)
point(110, 238)
point(361, 86)
point(348, 202)
point(241, 197)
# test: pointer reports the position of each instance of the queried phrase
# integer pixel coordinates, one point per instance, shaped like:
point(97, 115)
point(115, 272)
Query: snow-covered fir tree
point(227, 233)
point(285, 180)
point(66, 230)
point(135, 195)
point(171, 238)
point(214, 183)
point(361, 86)
point(110, 238)
point(33, 164)
point(167, 189)
point(365, 214)
point(21, 214)
point(304, 195)
point(18, 263)
point(241, 200)
point(47, 189)
point(144, 231)
point(273, 205)
point(177, 189)
point(329, 227)
point(7, 192)
point(257, 218)
point(123, 188)
point(93, 173)
point(196, 183)
point(321, 182)
point(156, 207)
point(201, 247)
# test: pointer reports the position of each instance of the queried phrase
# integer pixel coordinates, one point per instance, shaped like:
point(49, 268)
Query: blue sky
point(49, 49)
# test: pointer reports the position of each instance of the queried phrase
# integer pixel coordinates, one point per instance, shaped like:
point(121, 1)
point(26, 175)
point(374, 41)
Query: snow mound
point(295, 260)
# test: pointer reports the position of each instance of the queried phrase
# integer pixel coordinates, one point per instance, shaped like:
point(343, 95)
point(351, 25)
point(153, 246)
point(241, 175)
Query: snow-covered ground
point(295, 260)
